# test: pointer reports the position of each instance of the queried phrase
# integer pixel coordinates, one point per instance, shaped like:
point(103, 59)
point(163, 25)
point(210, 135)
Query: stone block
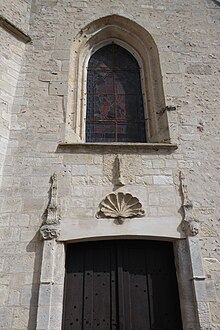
point(49, 249)
point(204, 312)
point(43, 317)
point(56, 317)
point(162, 180)
point(144, 180)
point(30, 203)
point(167, 198)
point(10, 234)
point(95, 170)
point(59, 270)
point(199, 69)
point(175, 89)
point(61, 54)
point(147, 163)
point(14, 297)
point(214, 309)
point(159, 163)
point(6, 317)
point(171, 163)
point(45, 294)
point(57, 295)
point(20, 318)
point(57, 88)
point(165, 211)
point(211, 290)
point(18, 263)
point(4, 290)
point(213, 19)
point(154, 199)
point(79, 170)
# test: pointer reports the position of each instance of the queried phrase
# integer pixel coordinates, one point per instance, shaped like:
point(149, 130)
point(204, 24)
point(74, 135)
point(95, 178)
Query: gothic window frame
point(136, 56)
point(141, 45)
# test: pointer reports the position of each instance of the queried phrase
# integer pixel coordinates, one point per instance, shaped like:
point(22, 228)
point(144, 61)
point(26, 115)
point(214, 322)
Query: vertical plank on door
point(163, 288)
point(74, 288)
point(138, 286)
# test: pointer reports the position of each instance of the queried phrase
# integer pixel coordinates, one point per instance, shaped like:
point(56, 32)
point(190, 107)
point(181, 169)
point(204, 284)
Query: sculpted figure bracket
point(50, 231)
point(50, 227)
point(190, 225)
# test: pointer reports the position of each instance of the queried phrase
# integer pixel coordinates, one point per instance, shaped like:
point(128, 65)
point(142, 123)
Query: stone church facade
point(57, 187)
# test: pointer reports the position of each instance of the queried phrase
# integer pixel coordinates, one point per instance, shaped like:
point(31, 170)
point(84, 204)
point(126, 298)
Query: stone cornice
point(66, 147)
point(14, 30)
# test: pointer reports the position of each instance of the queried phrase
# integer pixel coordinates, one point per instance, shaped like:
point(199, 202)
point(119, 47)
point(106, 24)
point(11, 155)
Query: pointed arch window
point(115, 107)
point(116, 94)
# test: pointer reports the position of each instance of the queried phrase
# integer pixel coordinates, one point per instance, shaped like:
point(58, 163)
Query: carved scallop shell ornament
point(120, 206)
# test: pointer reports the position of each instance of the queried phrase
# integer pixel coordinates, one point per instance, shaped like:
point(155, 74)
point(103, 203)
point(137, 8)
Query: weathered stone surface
point(36, 85)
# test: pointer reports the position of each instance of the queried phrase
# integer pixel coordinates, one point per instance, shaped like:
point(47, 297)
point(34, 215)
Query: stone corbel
point(190, 225)
point(50, 228)
point(50, 231)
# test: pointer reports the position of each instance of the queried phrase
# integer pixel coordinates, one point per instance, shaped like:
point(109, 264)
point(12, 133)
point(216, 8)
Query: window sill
point(67, 147)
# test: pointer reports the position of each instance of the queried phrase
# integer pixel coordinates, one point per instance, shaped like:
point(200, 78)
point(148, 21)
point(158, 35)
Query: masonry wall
point(17, 12)
point(33, 95)
point(11, 57)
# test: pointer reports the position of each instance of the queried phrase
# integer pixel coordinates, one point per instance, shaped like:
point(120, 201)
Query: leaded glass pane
point(115, 111)
point(101, 59)
point(100, 82)
point(124, 60)
point(101, 132)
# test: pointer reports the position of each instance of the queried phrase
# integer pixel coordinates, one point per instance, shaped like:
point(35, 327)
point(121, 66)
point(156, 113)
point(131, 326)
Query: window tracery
point(115, 109)
point(140, 44)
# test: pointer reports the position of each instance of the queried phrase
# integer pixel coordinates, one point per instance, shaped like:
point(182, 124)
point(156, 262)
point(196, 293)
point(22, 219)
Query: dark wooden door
point(123, 284)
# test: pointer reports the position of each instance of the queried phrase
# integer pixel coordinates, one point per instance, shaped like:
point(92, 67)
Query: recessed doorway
point(121, 284)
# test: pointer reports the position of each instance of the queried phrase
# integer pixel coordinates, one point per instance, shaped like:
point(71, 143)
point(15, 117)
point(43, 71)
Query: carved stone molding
point(50, 228)
point(189, 224)
point(50, 231)
point(118, 167)
point(52, 208)
point(120, 206)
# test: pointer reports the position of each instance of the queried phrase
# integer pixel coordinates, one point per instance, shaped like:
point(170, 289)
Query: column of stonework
point(46, 285)
point(50, 301)
point(190, 225)
point(198, 281)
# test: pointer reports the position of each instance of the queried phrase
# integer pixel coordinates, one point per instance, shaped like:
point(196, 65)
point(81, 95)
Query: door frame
point(121, 262)
point(190, 279)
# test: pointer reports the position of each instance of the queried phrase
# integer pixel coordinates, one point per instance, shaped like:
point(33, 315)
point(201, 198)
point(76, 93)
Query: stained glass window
point(115, 111)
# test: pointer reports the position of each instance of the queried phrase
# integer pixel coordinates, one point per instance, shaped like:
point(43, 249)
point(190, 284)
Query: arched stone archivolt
point(141, 45)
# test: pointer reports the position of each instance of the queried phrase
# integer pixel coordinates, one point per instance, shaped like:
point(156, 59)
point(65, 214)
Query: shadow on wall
point(35, 246)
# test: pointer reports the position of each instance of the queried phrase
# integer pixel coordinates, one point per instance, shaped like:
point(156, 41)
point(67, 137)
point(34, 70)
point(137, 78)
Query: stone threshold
point(68, 147)
point(14, 30)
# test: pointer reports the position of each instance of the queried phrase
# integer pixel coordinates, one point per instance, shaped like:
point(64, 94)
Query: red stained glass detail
point(115, 111)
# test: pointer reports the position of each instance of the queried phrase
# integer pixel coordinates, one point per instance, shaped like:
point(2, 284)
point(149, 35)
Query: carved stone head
point(190, 226)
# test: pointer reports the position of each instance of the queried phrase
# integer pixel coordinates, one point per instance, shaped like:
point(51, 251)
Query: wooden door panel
point(73, 307)
point(163, 288)
point(134, 276)
point(99, 273)
point(124, 285)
